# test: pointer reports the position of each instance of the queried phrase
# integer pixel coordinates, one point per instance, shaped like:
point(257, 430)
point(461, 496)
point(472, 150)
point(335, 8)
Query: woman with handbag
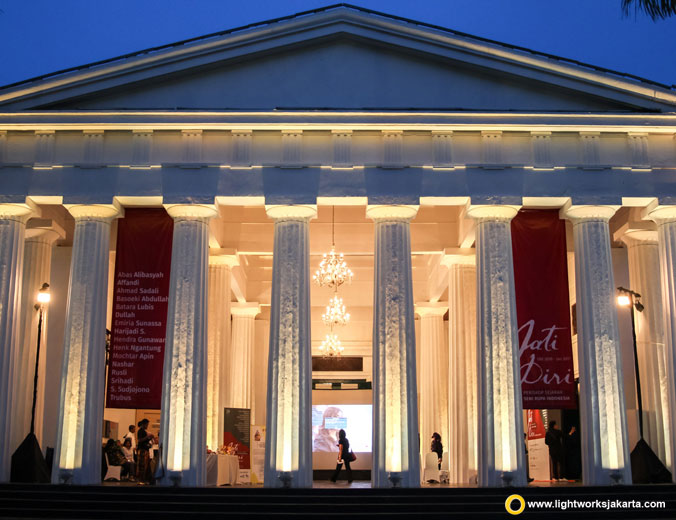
point(345, 456)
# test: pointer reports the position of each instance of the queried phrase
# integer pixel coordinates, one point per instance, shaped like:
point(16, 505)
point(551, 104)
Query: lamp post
point(631, 299)
point(28, 463)
point(646, 467)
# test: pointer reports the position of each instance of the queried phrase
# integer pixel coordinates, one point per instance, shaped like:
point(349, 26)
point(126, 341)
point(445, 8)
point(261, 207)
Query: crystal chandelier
point(333, 271)
point(335, 312)
point(331, 345)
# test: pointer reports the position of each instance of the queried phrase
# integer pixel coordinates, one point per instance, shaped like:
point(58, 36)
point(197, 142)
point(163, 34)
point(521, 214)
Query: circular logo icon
point(520, 502)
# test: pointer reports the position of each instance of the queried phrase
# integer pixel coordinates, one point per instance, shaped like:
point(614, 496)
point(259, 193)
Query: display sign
point(538, 452)
point(140, 300)
point(257, 454)
point(542, 309)
point(237, 435)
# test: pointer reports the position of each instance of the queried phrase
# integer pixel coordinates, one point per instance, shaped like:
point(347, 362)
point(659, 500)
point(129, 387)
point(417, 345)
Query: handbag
point(353, 457)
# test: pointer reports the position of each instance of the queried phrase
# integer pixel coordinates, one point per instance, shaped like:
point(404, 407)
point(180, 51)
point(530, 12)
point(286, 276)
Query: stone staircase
point(45, 501)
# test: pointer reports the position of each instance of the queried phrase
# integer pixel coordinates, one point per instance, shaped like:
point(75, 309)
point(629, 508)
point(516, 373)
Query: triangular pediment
point(340, 58)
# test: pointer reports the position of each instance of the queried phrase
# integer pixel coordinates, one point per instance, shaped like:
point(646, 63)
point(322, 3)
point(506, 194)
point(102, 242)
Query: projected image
point(355, 419)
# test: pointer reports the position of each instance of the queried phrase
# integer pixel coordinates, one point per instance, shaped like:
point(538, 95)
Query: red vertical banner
point(542, 308)
point(140, 301)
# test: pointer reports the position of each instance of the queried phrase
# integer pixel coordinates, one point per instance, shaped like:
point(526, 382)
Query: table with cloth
point(222, 469)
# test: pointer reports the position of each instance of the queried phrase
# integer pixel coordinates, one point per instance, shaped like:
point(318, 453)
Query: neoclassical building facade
point(410, 148)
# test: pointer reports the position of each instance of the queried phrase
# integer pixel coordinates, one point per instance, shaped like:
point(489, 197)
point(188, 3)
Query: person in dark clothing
point(573, 455)
point(437, 447)
point(554, 439)
point(143, 441)
point(344, 457)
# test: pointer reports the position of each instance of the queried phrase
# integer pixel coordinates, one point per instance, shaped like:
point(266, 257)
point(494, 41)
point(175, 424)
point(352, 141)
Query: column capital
point(659, 213)
point(100, 211)
point(634, 237)
point(588, 212)
point(191, 210)
point(44, 229)
point(291, 211)
point(19, 210)
point(223, 257)
point(245, 309)
point(391, 212)
point(493, 212)
point(430, 309)
point(458, 256)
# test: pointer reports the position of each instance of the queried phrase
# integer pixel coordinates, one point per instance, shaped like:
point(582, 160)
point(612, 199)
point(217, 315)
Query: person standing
point(437, 447)
point(344, 457)
point(143, 442)
point(131, 435)
point(554, 439)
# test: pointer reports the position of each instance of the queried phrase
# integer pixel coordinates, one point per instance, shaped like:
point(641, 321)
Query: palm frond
point(656, 9)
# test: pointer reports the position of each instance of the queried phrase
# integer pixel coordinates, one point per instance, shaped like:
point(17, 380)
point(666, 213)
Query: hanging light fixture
point(333, 270)
point(336, 313)
point(331, 346)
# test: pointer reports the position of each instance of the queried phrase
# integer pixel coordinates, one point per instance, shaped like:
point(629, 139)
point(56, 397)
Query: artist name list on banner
point(140, 301)
point(543, 309)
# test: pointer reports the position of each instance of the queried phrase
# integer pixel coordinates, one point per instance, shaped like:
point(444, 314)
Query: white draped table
point(222, 469)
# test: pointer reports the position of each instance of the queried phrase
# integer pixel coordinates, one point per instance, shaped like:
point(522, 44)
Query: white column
point(433, 375)
point(184, 380)
point(605, 452)
point(396, 459)
point(218, 343)
point(500, 411)
point(288, 442)
point(77, 458)
point(665, 217)
point(240, 362)
point(462, 441)
point(40, 237)
point(13, 219)
point(644, 275)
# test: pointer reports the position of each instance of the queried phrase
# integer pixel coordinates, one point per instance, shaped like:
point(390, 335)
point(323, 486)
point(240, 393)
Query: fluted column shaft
point(12, 232)
point(288, 442)
point(395, 409)
point(77, 458)
point(218, 347)
point(665, 217)
point(644, 275)
point(243, 335)
point(433, 375)
point(605, 451)
point(36, 271)
point(184, 380)
point(500, 410)
point(462, 441)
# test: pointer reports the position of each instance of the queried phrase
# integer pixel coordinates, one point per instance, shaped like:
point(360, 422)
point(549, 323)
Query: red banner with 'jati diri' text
point(542, 309)
point(140, 301)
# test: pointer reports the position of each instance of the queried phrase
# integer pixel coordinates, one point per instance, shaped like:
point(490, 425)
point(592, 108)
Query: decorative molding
point(342, 147)
point(442, 143)
point(590, 143)
point(541, 143)
point(638, 145)
point(292, 148)
point(491, 148)
point(142, 143)
point(92, 153)
point(392, 148)
point(191, 144)
point(241, 147)
point(44, 147)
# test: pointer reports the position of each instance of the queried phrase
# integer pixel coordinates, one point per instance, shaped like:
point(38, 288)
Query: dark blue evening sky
point(42, 36)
